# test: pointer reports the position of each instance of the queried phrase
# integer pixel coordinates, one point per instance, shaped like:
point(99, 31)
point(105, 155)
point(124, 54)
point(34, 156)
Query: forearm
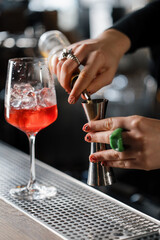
point(140, 28)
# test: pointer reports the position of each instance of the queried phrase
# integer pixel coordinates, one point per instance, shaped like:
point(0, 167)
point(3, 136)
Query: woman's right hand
point(100, 58)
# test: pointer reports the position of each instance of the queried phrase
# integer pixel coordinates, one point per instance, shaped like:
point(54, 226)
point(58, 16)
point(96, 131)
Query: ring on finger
point(64, 54)
point(74, 58)
point(116, 141)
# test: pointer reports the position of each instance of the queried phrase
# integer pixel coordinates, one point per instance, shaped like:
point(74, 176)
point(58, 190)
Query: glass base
point(36, 192)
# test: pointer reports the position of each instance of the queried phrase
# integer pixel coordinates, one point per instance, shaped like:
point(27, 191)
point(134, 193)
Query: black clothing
point(142, 26)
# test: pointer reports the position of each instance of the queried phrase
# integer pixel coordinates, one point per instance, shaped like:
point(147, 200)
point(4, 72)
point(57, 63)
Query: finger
point(88, 43)
point(58, 70)
point(108, 124)
point(84, 46)
point(126, 164)
point(104, 137)
point(110, 155)
point(102, 79)
point(53, 64)
point(70, 66)
point(87, 75)
point(127, 159)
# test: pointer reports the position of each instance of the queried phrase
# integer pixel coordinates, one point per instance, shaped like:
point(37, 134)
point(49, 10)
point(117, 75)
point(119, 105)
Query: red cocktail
point(31, 121)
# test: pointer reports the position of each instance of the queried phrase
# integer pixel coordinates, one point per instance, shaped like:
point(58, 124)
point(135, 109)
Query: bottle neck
point(51, 42)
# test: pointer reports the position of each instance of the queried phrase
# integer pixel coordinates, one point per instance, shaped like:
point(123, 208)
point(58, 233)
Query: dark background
point(62, 144)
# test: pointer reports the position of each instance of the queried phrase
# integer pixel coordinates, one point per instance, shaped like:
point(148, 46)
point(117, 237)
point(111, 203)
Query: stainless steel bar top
point(77, 212)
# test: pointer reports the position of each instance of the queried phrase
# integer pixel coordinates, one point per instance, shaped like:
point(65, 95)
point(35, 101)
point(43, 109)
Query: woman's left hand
point(141, 139)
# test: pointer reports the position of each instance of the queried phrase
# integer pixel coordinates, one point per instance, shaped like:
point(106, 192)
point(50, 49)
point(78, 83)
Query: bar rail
point(77, 212)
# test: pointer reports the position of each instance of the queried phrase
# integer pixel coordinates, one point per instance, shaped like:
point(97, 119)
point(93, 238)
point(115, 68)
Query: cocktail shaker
point(98, 175)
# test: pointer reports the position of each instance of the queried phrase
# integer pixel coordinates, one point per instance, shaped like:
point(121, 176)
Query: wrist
point(116, 40)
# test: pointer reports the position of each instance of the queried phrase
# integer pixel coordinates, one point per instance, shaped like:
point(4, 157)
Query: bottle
point(52, 43)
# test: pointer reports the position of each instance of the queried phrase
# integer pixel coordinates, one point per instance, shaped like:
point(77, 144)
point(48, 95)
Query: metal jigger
point(98, 175)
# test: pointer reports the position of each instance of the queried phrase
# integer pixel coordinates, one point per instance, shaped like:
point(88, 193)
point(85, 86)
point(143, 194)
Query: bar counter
point(77, 212)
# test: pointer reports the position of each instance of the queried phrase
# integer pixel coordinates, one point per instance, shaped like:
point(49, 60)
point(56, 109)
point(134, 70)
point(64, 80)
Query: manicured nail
point(71, 99)
point(86, 128)
point(93, 159)
point(88, 138)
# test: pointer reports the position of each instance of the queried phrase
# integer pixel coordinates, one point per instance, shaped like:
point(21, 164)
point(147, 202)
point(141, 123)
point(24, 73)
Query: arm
point(140, 26)
point(101, 56)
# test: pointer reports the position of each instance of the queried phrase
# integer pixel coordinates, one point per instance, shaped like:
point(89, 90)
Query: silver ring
point(68, 54)
point(74, 58)
point(64, 54)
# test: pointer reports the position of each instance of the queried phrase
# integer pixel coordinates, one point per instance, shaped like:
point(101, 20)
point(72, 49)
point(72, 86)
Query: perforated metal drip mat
point(78, 211)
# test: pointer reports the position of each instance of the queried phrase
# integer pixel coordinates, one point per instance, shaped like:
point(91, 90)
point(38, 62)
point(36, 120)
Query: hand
point(141, 139)
point(100, 58)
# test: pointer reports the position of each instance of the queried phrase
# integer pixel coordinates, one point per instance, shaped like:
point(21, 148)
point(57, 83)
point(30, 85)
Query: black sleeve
point(142, 26)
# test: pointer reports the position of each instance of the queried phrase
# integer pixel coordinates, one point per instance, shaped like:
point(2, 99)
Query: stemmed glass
point(30, 105)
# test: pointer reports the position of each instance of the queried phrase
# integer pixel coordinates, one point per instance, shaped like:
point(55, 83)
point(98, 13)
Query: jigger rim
point(98, 100)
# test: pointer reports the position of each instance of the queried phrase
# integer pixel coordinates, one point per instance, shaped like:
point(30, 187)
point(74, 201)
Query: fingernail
point(71, 99)
point(86, 128)
point(88, 138)
point(93, 159)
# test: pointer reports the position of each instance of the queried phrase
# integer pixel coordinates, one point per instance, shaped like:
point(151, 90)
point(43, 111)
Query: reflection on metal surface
point(78, 211)
point(98, 175)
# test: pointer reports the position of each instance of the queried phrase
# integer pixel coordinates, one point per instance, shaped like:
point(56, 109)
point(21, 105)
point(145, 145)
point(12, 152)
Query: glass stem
point(32, 179)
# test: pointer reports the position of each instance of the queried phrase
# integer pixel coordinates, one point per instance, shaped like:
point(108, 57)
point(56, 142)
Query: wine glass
point(30, 105)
